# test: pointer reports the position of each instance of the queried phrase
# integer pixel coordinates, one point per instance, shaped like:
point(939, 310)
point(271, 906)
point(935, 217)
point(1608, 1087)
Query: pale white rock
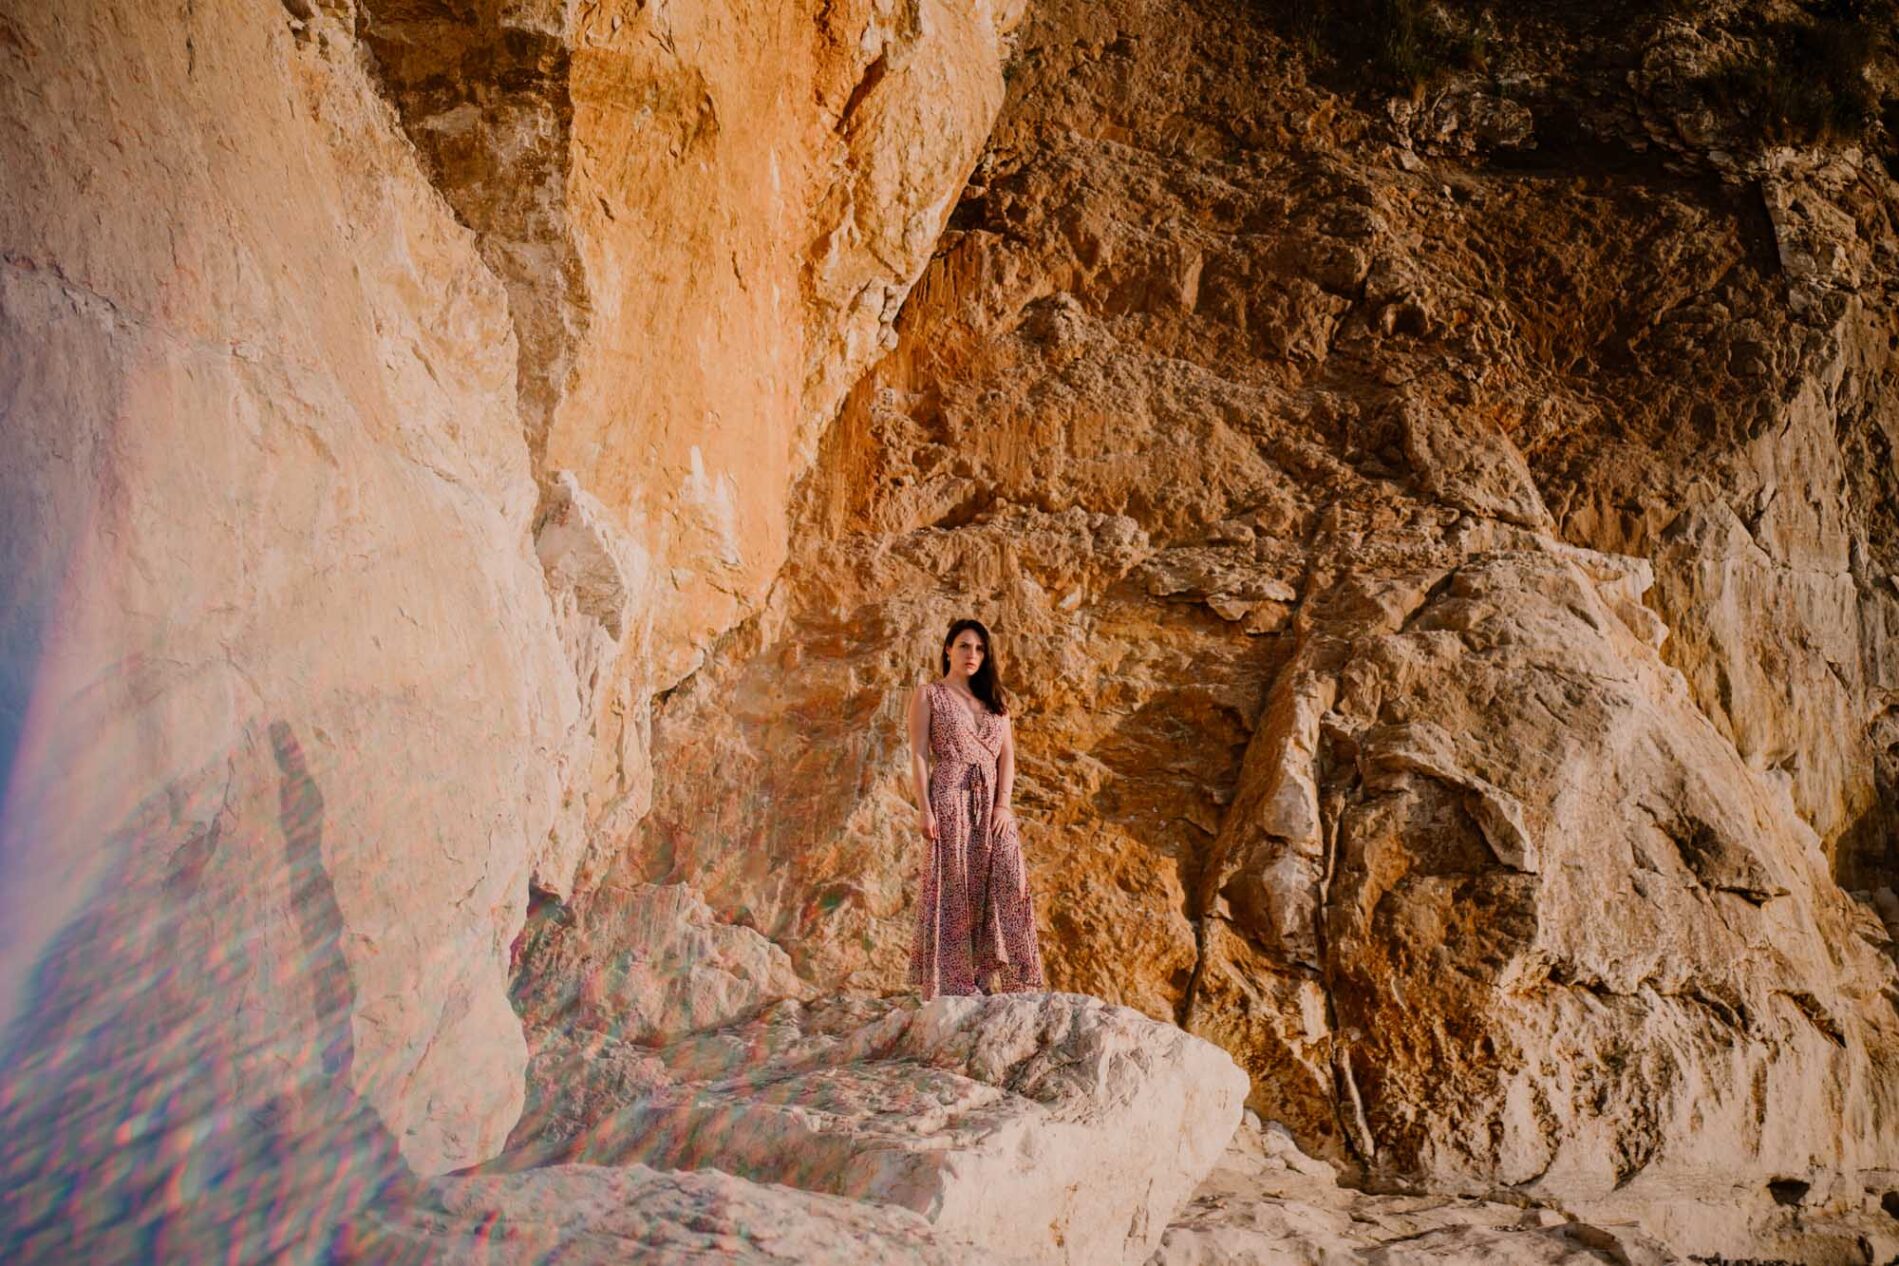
point(1052, 1126)
point(588, 1215)
point(690, 971)
point(585, 554)
point(291, 687)
point(601, 583)
point(1823, 1224)
point(1269, 1204)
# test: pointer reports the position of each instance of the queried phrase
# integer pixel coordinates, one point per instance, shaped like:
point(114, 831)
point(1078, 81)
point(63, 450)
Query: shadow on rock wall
point(180, 1084)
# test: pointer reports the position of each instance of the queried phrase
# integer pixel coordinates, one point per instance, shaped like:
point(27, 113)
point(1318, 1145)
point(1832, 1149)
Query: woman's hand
point(927, 820)
point(1002, 819)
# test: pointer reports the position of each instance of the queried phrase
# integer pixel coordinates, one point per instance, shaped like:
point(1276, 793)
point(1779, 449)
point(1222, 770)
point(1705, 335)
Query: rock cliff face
point(706, 221)
point(1441, 547)
point(484, 476)
point(669, 406)
point(280, 644)
point(379, 439)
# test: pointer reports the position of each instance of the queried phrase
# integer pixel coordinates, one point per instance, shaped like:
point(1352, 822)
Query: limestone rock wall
point(707, 219)
point(395, 396)
point(473, 461)
point(283, 682)
point(1438, 548)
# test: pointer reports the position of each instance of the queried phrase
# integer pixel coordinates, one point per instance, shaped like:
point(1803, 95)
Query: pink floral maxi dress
point(975, 920)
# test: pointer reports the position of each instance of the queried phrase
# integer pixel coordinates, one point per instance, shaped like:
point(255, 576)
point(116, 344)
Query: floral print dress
point(975, 922)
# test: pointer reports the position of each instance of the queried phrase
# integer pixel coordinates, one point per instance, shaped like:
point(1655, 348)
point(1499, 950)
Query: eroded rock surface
point(282, 686)
point(1052, 1127)
point(706, 219)
point(1588, 888)
point(1440, 554)
point(379, 439)
point(676, 969)
point(1269, 1204)
point(587, 1215)
point(1443, 545)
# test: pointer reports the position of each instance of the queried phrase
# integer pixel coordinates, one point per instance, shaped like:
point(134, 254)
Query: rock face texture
point(1050, 1128)
point(1054, 1128)
point(1269, 1204)
point(588, 1215)
point(379, 439)
point(682, 970)
point(482, 479)
point(1440, 547)
point(1402, 851)
point(706, 221)
point(283, 685)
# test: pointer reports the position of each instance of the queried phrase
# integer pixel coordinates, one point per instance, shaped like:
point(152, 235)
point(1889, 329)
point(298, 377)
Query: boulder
point(588, 1215)
point(1052, 1127)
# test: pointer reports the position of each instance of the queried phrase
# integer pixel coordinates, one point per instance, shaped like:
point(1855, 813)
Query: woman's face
point(966, 652)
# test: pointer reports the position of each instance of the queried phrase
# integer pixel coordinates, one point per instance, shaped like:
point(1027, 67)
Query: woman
point(975, 923)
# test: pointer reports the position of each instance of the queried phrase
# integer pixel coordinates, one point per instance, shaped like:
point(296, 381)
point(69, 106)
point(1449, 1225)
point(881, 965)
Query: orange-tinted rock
point(1364, 546)
point(707, 219)
point(396, 395)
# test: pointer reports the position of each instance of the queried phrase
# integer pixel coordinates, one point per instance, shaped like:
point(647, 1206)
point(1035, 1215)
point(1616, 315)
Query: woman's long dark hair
point(982, 683)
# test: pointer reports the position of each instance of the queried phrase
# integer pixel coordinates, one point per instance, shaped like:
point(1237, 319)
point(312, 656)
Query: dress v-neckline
point(974, 718)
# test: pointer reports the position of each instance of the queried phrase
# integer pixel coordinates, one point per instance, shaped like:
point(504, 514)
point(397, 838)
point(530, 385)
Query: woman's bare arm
point(1005, 771)
point(920, 758)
